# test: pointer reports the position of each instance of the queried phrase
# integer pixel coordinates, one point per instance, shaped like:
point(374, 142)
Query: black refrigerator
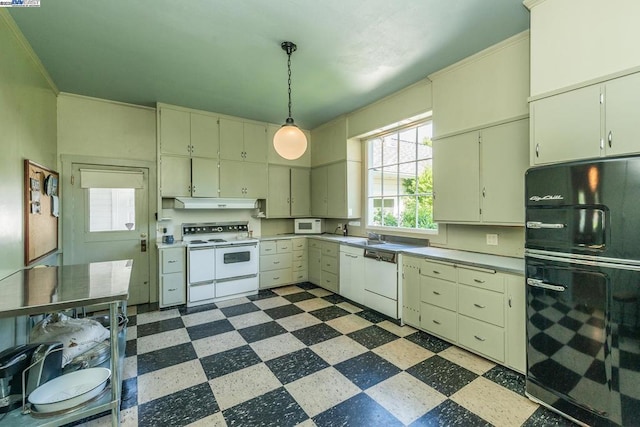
point(582, 256)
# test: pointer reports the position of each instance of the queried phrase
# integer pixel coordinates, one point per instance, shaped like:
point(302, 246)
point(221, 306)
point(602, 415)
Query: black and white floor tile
point(300, 355)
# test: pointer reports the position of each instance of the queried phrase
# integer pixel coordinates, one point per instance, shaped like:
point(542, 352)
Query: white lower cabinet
point(352, 273)
point(381, 286)
point(172, 276)
point(282, 262)
point(478, 309)
point(315, 261)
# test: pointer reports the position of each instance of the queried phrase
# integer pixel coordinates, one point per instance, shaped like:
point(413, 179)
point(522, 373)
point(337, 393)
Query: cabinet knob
point(484, 192)
point(610, 138)
point(537, 150)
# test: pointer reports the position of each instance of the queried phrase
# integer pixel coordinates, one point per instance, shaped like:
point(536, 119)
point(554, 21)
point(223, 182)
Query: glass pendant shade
point(290, 142)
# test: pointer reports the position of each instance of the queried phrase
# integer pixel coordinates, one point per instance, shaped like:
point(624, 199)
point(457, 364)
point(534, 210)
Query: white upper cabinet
point(579, 41)
point(289, 192)
point(186, 133)
point(336, 190)
point(479, 176)
point(488, 87)
point(621, 113)
point(243, 141)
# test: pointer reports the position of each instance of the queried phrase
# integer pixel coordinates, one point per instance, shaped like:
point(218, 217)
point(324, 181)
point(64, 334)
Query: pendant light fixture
point(289, 141)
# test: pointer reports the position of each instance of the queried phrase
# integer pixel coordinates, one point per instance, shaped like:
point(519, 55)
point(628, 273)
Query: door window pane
point(112, 209)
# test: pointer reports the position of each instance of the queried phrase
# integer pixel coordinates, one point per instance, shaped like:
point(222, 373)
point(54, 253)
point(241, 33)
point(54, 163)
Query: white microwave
point(309, 226)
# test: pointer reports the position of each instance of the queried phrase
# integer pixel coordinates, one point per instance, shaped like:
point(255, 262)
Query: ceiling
point(225, 56)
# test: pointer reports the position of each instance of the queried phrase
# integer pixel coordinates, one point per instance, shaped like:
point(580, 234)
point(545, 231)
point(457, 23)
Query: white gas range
point(222, 261)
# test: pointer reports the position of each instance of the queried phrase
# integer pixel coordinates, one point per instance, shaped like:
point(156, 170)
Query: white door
point(109, 220)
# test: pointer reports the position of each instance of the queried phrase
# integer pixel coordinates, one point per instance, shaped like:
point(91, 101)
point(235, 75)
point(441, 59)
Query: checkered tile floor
point(300, 355)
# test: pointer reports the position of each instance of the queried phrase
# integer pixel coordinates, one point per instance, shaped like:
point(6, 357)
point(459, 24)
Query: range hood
point(213, 203)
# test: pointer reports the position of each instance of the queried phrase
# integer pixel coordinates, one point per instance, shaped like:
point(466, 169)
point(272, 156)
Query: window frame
point(367, 196)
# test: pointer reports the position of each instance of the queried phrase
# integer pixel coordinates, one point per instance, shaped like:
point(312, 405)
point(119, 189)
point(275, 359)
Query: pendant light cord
point(289, 80)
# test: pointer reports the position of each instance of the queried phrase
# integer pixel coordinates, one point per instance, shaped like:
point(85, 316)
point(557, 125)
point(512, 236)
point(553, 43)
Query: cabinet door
point(172, 289)
point(622, 110)
point(411, 292)
point(232, 179)
point(205, 136)
point(319, 191)
point(278, 199)
point(231, 139)
point(175, 176)
point(256, 180)
point(204, 177)
point(336, 190)
point(456, 178)
point(516, 336)
point(505, 158)
point(300, 192)
point(566, 126)
point(315, 265)
point(174, 132)
point(255, 142)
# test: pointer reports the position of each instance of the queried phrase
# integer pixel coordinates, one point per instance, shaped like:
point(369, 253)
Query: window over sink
point(400, 179)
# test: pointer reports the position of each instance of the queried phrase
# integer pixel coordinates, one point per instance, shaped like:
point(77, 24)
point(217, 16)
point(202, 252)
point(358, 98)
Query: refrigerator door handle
point(538, 224)
point(541, 284)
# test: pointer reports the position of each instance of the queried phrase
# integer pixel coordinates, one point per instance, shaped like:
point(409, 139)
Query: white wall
point(27, 131)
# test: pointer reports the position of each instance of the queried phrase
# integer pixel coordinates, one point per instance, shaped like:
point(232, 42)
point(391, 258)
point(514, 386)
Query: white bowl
point(69, 390)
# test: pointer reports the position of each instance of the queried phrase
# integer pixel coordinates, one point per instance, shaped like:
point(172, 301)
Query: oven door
point(239, 260)
point(583, 341)
point(201, 267)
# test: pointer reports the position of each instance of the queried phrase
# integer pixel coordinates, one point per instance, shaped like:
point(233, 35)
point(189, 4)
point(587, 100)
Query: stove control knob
point(219, 229)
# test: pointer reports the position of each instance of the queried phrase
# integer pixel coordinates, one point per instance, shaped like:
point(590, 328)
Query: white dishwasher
point(381, 281)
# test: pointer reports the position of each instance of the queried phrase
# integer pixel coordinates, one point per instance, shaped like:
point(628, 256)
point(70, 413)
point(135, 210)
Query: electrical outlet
point(492, 239)
point(339, 226)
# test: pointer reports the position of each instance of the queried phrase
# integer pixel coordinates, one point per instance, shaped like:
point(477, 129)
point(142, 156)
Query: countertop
point(473, 259)
point(46, 289)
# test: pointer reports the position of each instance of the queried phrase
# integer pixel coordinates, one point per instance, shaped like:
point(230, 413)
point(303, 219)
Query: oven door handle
point(538, 224)
point(238, 245)
point(537, 283)
point(203, 282)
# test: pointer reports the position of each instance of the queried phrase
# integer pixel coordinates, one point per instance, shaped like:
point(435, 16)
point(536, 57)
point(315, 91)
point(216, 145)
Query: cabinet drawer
point(275, 278)
point(300, 276)
point(330, 249)
point(351, 250)
point(329, 281)
point(275, 262)
point(268, 247)
point(438, 270)
point(481, 279)
point(481, 304)
point(314, 243)
point(439, 321)
point(299, 265)
point(299, 244)
point(330, 264)
point(299, 255)
point(481, 337)
point(283, 246)
point(172, 288)
point(438, 292)
point(172, 260)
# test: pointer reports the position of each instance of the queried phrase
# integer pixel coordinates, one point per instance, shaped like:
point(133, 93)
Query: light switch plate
point(492, 239)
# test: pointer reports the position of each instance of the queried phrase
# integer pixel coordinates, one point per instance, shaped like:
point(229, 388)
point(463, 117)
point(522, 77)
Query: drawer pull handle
point(268, 250)
point(479, 338)
point(172, 289)
point(478, 281)
point(437, 323)
point(328, 265)
point(436, 292)
point(436, 272)
point(276, 262)
point(480, 306)
point(276, 278)
point(172, 261)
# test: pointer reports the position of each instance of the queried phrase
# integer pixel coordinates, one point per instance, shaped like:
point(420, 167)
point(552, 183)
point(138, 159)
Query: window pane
point(408, 212)
point(408, 145)
point(425, 177)
point(407, 174)
point(375, 182)
point(375, 211)
point(375, 152)
point(112, 209)
point(390, 180)
point(425, 213)
point(389, 212)
point(390, 149)
point(424, 141)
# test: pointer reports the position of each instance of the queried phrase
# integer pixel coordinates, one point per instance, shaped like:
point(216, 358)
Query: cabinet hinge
point(480, 211)
point(419, 317)
point(479, 138)
point(73, 179)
